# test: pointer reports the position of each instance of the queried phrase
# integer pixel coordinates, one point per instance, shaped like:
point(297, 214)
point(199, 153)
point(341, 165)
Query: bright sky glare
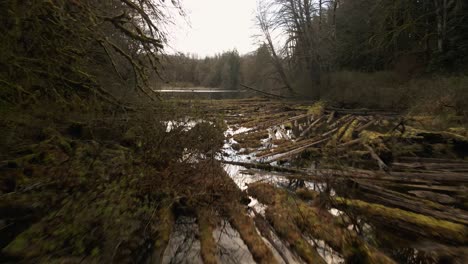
point(214, 26)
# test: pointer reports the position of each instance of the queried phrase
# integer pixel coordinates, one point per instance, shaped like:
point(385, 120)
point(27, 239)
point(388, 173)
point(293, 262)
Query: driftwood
point(341, 120)
point(304, 133)
point(368, 124)
point(330, 117)
point(329, 132)
point(285, 147)
point(376, 157)
point(349, 143)
point(296, 151)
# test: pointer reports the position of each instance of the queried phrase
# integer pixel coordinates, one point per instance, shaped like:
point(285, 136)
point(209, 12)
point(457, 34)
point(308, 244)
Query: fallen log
point(437, 188)
point(430, 166)
point(365, 126)
point(363, 112)
point(376, 157)
point(320, 175)
point(429, 160)
point(349, 143)
point(298, 150)
point(330, 117)
point(412, 203)
point(294, 151)
point(262, 92)
point(415, 223)
point(434, 197)
point(343, 119)
point(304, 133)
point(266, 230)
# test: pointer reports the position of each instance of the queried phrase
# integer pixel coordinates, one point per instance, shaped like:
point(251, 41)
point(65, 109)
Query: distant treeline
point(307, 45)
point(227, 70)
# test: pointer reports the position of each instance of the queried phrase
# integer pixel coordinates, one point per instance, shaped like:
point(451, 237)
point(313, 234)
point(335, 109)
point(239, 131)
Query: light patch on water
point(325, 251)
point(187, 124)
point(243, 177)
point(257, 206)
point(230, 154)
point(183, 246)
point(231, 247)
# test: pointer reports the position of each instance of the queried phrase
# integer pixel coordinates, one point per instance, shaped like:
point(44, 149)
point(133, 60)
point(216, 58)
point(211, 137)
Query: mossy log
point(206, 225)
point(163, 230)
point(424, 225)
point(246, 228)
point(266, 230)
point(287, 215)
point(408, 202)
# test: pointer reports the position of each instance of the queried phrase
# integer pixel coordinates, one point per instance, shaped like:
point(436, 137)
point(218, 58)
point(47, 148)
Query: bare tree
point(265, 25)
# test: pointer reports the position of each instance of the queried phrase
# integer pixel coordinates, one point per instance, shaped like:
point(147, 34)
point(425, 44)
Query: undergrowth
point(91, 185)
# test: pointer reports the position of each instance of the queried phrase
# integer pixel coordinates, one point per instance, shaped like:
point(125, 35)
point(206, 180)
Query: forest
point(342, 137)
point(355, 53)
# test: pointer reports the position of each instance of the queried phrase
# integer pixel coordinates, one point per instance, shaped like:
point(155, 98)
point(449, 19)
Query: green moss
point(371, 136)
point(348, 135)
point(336, 137)
point(307, 194)
point(317, 109)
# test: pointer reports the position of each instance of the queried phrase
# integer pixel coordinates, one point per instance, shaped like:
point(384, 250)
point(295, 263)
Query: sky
point(214, 26)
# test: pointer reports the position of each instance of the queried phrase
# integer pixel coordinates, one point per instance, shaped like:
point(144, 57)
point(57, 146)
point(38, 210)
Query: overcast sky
point(214, 26)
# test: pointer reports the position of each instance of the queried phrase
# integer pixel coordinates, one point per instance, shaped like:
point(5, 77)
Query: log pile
point(370, 157)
